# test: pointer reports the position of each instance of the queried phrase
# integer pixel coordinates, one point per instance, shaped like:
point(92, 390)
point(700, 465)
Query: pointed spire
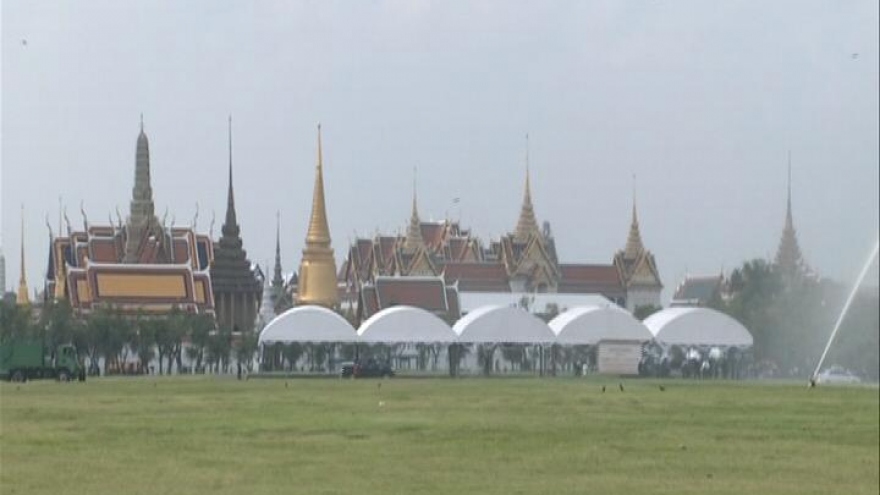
point(319, 232)
point(788, 256)
point(142, 209)
point(317, 273)
point(22, 297)
point(414, 239)
point(634, 246)
point(278, 278)
point(527, 225)
point(789, 224)
point(230, 226)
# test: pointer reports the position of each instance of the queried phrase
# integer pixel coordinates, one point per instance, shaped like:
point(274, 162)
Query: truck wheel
point(17, 376)
point(64, 376)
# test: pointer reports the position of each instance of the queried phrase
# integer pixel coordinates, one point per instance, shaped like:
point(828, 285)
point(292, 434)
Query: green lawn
point(468, 436)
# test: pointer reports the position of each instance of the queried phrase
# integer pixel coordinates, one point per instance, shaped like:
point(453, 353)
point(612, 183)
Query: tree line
point(132, 343)
point(791, 316)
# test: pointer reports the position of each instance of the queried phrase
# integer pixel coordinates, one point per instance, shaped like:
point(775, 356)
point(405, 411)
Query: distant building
point(521, 262)
point(638, 269)
point(698, 291)
point(141, 266)
point(789, 261)
point(426, 292)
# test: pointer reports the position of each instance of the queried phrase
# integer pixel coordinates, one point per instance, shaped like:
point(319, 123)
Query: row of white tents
point(587, 325)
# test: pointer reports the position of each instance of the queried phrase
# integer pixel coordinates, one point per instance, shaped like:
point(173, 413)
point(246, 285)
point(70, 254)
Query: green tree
point(144, 341)
point(15, 321)
point(645, 310)
point(200, 328)
point(245, 347)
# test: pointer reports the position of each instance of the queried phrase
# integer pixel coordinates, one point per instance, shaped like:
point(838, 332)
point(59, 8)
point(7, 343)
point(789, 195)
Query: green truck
point(27, 359)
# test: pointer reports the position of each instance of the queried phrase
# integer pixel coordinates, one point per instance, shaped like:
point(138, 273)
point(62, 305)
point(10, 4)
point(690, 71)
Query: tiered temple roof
point(237, 288)
point(143, 265)
point(635, 263)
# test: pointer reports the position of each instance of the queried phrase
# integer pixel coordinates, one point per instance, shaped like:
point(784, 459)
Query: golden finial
point(22, 297)
point(527, 225)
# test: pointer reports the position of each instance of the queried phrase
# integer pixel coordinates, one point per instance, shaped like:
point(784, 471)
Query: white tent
point(502, 324)
point(697, 326)
point(308, 324)
point(405, 324)
point(587, 325)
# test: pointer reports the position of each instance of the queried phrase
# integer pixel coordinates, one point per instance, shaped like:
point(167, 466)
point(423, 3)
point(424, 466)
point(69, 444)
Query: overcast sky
point(701, 100)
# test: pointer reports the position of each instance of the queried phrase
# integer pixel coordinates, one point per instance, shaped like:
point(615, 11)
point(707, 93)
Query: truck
point(22, 360)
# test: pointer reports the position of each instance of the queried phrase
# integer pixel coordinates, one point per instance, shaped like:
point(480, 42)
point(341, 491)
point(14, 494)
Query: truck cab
point(67, 364)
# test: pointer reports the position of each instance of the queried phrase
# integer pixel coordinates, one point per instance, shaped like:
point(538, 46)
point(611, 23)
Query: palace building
point(143, 265)
point(523, 261)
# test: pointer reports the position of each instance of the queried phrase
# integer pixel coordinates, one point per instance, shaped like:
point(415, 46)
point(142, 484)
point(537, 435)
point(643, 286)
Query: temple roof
point(231, 271)
point(697, 290)
point(590, 279)
point(475, 277)
point(428, 293)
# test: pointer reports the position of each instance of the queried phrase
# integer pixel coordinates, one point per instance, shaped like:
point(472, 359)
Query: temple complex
point(317, 272)
point(386, 270)
point(237, 288)
point(143, 265)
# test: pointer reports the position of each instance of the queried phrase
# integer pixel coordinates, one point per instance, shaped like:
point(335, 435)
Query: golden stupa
point(317, 272)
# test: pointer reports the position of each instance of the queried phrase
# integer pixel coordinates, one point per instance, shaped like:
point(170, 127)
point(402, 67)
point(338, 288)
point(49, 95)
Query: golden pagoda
point(22, 298)
point(317, 272)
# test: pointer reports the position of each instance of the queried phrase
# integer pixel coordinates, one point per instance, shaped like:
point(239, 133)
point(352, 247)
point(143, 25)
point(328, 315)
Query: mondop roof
point(587, 325)
point(401, 324)
point(697, 326)
point(502, 324)
point(308, 324)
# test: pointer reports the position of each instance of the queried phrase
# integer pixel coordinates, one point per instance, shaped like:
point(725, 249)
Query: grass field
point(470, 436)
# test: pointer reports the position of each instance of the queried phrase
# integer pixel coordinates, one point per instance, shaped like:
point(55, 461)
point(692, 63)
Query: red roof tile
point(428, 294)
point(477, 277)
point(103, 250)
point(603, 279)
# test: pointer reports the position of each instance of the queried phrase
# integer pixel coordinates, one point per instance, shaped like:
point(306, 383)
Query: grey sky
point(702, 100)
